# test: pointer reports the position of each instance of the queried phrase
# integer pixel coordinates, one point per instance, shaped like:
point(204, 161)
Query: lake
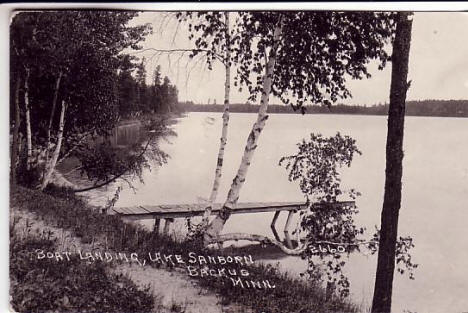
point(434, 202)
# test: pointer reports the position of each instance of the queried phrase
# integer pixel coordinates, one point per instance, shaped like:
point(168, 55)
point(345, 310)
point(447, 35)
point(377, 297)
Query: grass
point(178, 307)
point(44, 285)
point(62, 209)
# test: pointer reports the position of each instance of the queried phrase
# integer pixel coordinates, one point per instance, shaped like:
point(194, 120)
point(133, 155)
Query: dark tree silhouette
point(394, 158)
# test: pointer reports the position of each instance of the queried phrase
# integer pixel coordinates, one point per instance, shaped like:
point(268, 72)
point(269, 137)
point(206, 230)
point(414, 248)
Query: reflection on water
point(434, 205)
point(126, 135)
point(122, 138)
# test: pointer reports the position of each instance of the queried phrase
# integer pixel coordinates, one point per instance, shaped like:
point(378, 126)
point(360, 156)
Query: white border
point(7, 9)
point(187, 6)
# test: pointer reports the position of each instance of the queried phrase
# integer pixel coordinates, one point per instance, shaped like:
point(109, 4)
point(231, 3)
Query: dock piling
point(167, 225)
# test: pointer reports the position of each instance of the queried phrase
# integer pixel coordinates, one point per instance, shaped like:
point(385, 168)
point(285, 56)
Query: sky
point(438, 65)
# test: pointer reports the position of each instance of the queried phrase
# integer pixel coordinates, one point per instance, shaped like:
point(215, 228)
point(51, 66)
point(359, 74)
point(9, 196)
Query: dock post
point(167, 224)
point(273, 223)
point(286, 230)
point(275, 217)
point(156, 224)
point(288, 221)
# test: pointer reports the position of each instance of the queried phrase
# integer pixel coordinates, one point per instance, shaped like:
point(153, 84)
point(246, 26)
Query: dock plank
point(187, 210)
point(144, 209)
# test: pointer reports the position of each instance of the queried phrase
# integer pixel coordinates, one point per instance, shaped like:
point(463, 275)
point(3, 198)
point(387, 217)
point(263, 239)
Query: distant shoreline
point(330, 113)
point(427, 108)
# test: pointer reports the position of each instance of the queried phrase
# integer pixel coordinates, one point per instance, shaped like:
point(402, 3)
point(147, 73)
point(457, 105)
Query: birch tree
point(300, 57)
point(225, 118)
point(27, 113)
point(211, 32)
point(218, 223)
point(22, 51)
point(50, 166)
point(15, 143)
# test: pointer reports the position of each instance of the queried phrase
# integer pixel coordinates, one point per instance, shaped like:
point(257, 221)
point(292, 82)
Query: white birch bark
point(224, 131)
point(50, 165)
point(261, 239)
point(52, 114)
point(16, 142)
point(28, 120)
point(216, 226)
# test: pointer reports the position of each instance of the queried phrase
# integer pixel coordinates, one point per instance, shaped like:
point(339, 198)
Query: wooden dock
point(169, 212)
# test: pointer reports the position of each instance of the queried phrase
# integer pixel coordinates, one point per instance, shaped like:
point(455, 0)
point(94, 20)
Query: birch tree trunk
point(394, 167)
point(224, 131)
point(15, 143)
point(28, 120)
point(262, 239)
point(50, 165)
point(216, 226)
point(51, 118)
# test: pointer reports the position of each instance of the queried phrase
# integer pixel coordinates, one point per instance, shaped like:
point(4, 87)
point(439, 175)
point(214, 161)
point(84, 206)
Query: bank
point(63, 210)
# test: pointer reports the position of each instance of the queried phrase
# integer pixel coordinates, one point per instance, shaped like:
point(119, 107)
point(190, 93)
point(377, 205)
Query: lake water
point(434, 204)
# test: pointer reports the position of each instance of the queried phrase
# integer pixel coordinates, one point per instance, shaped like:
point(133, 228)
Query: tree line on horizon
point(441, 108)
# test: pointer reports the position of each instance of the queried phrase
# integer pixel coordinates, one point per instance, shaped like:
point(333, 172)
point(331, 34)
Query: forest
point(71, 85)
point(136, 97)
point(442, 108)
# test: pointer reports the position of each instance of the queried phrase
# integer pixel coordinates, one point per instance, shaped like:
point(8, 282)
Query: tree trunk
point(50, 165)
point(259, 238)
point(15, 143)
point(28, 120)
point(216, 226)
point(51, 118)
point(393, 173)
point(224, 132)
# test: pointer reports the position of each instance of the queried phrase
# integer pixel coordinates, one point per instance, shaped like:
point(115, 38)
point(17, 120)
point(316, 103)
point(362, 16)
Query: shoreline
point(65, 175)
point(97, 229)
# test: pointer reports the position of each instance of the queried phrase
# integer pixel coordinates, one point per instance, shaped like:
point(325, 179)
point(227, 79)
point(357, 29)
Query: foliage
point(103, 163)
point(136, 97)
point(404, 261)
point(45, 285)
point(83, 46)
point(305, 72)
point(325, 226)
point(316, 164)
point(208, 30)
point(85, 49)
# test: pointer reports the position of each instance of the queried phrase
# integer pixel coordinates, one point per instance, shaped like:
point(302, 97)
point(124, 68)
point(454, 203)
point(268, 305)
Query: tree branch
point(72, 170)
point(180, 51)
point(266, 240)
point(258, 238)
point(80, 140)
point(95, 186)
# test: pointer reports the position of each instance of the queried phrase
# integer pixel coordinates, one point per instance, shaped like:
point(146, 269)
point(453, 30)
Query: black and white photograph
point(236, 158)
